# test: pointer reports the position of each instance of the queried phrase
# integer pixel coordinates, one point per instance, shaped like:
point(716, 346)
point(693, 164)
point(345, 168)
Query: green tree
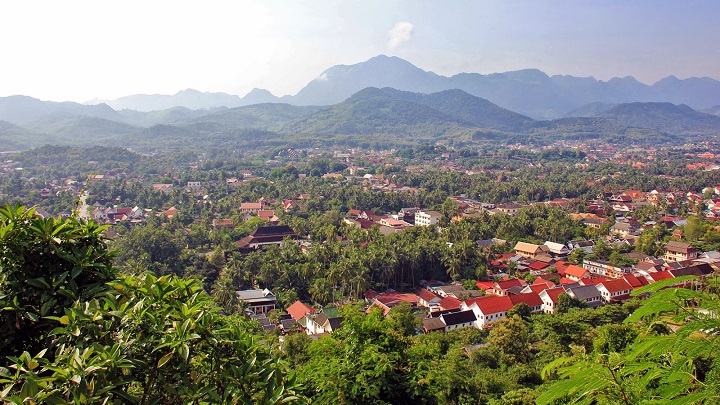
point(510, 336)
point(45, 266)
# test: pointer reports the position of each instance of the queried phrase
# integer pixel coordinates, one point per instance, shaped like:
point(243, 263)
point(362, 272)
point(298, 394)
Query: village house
point(529, 250)
point(508, 208)
point(267, 235)
point(605, 269)
point(259, 301)
point(589, 294)
point(614, 290)
point(679, 251)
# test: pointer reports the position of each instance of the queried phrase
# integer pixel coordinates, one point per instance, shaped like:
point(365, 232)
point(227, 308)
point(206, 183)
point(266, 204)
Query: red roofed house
point(429, 300)
point(298, 310)
point(450, 302)
point(532, 300)
point(575, 273)
point(488, 309)
point(658, 275)
point(388, 300)
point(614, 290)
point(502, 287)
point(550, 299)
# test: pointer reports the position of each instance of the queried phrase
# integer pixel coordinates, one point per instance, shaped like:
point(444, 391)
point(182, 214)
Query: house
point(223, 223)
point(394, 223)
point(427, 218)
point(529, 250)
point(625, 229)
point(509, 208)
point(387, 300)
point(429, 300)
point(298, 310)
point(575, 273)
point(268, 216)
point(532, 300)
point(679, 251)
point(614, 290)
point(259, 301)
point(557, 249)
point(162, 187)
point(502, 287)
point(605, 269)
point(589, 294)
point(458, 320)
point(267, 235)
point(170, 212)
point(250, 207)
point(586, 245)
point(488, 309)
point(549, 298)
point(326, 321)
point(449, 303)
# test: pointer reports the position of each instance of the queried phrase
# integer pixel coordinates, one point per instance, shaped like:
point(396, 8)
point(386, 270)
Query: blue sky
point(83, 49)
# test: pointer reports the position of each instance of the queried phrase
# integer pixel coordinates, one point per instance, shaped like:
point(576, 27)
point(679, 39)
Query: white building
point(427, 218)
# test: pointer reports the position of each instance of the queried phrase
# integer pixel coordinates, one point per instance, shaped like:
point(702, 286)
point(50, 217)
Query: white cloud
point(399, 34)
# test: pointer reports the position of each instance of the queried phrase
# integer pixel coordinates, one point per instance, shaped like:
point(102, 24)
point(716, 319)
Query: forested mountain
point(13, 137)
point(665, 117)
point(370, 115)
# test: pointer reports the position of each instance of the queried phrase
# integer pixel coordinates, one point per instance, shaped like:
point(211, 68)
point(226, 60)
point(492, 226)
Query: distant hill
point(267, 116)
point(190, 99)
point(392, 112)
point(371, 116)
point(666, 117)
point(530, 92)
point(589, 110)
point(713, 110)
point(20, 110)
point(13, 137)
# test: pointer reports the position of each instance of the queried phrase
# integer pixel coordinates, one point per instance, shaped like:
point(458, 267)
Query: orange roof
point(575, 271)
point(298, 310)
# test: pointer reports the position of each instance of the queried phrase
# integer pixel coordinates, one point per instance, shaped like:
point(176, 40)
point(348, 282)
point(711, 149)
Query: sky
point(79, 50)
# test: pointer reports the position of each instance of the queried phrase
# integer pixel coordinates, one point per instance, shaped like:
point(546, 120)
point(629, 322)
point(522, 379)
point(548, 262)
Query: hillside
point(667, 117)
point(396, 113)
point(13, 137)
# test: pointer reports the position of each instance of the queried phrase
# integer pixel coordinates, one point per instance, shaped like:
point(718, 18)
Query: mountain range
point(371, 116)
point(530, 92)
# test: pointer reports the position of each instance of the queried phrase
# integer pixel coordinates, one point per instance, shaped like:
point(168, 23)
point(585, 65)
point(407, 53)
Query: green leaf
point(164, 359)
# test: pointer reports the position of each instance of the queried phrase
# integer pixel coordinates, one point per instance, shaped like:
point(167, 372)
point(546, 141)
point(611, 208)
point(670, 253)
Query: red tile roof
point(298, 310)
point(575, 271)
point(484, 285)
point(505, 284)
point(493, 304)
point(660, 275)
point(553, 293)
point(538, 265)
point(427, 295)
point(562, 266)
point(532, 299)
point(450, 303)
point(616, 285)
point(635, 282)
